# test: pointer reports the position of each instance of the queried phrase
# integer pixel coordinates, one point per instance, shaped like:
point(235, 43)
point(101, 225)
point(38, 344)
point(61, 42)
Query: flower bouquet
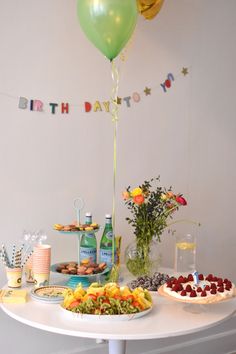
point(151, 208)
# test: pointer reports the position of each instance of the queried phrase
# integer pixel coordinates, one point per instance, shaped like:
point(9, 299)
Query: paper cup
point(14, 277)
point(41, 259)
point(29, 275)
point(41, 279)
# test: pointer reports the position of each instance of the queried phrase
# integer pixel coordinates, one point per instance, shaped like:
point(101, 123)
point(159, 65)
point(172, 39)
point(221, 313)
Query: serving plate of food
point(84, 269)
point(207, 290)
point(76, 227)
point(110, 302)
point(52, 294)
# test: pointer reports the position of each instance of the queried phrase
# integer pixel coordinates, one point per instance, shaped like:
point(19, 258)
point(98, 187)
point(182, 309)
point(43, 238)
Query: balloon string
point(114, 112)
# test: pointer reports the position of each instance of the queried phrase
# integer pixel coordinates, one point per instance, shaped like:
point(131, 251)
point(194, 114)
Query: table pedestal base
point(117, 346)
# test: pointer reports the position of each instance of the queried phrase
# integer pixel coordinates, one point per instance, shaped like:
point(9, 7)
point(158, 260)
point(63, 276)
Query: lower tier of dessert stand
point(85, 280)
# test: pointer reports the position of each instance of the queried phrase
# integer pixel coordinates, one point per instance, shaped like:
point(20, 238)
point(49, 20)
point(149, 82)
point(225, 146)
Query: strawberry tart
point(207, 289)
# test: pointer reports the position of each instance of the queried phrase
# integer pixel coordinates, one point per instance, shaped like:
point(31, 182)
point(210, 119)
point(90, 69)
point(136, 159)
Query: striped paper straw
point(26, 259)
point(13, 255)
point(26, 253)
point(21, 248)
point(3, 259)
point(5, 256)
point(17, 261)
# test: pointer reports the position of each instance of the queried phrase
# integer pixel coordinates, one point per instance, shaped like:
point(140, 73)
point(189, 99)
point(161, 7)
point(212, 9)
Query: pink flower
point(125, 195)
point(180, 200)
point(170, 205)
point(138, 199)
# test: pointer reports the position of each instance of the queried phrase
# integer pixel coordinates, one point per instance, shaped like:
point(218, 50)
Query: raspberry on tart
point(193, 293)
point(221, 289)
point(175, 287)
point(190, 277)
point(180, 279)
point(188, 288)
point(210, 277)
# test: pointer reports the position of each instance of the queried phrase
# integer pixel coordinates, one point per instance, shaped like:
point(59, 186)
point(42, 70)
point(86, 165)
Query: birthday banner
point(37, 105)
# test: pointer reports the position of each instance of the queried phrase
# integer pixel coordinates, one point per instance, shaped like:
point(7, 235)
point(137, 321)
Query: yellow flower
point(163, 196)
point(136, 191)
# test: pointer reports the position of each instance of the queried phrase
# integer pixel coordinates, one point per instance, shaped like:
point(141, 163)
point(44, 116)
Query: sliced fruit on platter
point(110, 299)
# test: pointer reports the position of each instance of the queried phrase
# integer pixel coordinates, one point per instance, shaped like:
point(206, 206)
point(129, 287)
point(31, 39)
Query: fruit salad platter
point(108, 302)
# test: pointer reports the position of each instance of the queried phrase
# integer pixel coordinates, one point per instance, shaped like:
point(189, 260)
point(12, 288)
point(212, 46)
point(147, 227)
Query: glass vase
point(142, 259)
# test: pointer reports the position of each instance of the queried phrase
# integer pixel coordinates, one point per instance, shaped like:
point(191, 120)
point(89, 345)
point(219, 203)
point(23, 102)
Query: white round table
point(167, 319)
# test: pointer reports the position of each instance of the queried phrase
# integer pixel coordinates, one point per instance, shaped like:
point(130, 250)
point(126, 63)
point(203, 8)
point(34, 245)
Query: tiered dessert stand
point(74, 280)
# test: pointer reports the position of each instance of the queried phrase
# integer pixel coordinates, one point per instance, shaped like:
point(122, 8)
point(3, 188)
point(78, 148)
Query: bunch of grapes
point(151, 283)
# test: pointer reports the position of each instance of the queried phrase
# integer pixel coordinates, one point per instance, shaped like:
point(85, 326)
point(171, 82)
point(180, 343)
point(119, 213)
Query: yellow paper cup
point(29, 275)
point(14, 277)
point(41, 279)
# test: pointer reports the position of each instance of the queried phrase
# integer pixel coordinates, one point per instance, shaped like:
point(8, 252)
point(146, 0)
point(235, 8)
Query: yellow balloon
point(149, 8)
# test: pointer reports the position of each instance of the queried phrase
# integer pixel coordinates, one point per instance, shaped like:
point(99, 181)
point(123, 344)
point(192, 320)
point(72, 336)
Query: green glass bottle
point(106, 242)
point(88, 243)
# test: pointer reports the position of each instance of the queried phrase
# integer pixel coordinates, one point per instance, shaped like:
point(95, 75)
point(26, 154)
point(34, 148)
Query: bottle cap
point(88, 214)
point(108, 216)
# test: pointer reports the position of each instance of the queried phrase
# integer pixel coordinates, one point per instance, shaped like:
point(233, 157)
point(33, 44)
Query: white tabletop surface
point(167, 319)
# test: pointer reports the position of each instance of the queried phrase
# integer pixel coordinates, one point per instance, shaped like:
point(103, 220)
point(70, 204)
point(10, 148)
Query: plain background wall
point(187, 135)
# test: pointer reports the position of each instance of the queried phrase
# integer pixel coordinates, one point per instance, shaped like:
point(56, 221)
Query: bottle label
point(106, 256)
point(89, 236)
point(89, 253)
point(88, 219)
point(109, 235)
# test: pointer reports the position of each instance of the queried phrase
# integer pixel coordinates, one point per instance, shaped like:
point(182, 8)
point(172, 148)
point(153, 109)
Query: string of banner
point(37, 105)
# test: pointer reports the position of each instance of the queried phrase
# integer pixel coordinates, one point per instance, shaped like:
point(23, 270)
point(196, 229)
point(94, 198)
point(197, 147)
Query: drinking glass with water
point(185, 253)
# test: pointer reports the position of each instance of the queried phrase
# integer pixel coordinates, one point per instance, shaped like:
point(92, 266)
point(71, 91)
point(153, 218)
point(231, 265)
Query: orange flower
point(138, 199)
point(170, 194)
point(125, 195)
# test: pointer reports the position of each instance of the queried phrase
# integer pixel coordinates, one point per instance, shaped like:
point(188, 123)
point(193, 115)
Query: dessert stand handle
point(78, 205)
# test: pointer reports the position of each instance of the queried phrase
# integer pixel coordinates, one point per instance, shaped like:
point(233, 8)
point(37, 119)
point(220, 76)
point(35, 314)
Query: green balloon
point(108, 24)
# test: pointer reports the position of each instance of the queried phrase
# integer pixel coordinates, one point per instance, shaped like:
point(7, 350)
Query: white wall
point(186, 135)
